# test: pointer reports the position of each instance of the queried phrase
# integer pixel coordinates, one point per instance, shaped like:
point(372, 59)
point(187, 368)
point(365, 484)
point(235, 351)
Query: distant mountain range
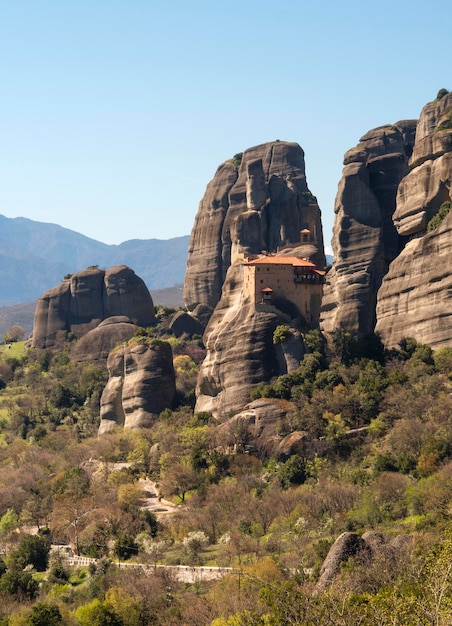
point(35, 256)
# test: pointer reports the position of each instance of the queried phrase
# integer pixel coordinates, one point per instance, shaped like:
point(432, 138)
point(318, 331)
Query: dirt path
point(153, 502)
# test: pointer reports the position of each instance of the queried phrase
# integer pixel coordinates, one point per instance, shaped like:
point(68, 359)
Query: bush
point(281, 333)
point(125, 547)
point(438, 218)
point(441, 93)
point(237, 159)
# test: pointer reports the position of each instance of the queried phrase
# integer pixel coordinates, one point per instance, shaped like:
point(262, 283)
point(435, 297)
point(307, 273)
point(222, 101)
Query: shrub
point(441, 93)
point(281, 333)
point(440, 215)
point(237, 159)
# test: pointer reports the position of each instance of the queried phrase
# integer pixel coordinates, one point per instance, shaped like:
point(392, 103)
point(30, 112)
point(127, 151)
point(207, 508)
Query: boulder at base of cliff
point(184, 323)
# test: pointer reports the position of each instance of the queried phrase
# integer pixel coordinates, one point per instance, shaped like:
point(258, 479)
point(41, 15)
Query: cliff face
point(428, 183)
point(260, 204)
point(83, 301)
point(264, 205)
point(365, 240)
point(141, 384)
point(389, 273)
point(240, 350)
point(415, 297)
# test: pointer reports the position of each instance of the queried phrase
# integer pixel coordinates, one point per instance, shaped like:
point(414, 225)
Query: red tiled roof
point(281, 260)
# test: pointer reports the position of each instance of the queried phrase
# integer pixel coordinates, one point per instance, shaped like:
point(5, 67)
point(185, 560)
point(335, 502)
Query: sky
point(114, 114)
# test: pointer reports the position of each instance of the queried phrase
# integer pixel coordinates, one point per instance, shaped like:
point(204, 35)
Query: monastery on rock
point(268, 278)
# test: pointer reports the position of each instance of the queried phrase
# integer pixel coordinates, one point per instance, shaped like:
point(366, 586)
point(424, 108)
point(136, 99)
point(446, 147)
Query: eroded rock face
point(261, 205)
point(414, 299)
point(83, 301)
point(141, 385)
point(429, 181)
point(346, 545)
point(240, 350)
point(100, 341)
point(184, 323)
point(371, 547)
point(256, 428)
point(365, 240)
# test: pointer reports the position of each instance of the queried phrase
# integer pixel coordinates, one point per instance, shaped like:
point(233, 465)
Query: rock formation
point(368, 548)
point(346, 545)
point(97, 344)
point(365, 240)
point(428, 184)
point(240, 350)
point(256, 201)
point(82, 301)
point(141, 384)
point(389, 274)
point(184, 323)
point(414, 299)
point(256, 428)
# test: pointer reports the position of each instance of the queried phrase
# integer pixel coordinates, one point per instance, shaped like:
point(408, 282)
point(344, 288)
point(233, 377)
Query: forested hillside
point(371, 451)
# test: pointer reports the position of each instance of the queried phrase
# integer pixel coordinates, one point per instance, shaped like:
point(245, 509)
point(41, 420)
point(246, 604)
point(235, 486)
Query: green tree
point(15, 333)
point(18, 584)
point(44, 614)
point(292, 472)
point(32, 550)
point(97, 613)
point(281, 333)
point(8, 523)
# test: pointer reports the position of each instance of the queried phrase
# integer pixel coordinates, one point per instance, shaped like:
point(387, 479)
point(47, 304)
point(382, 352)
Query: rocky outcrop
point(184, 323)
point(389, 274)
point(256, 427)
point(82, 301)
point(346, 545)
point(240, 350)
point(365, 240)
point(415, 297)
point(429, 181)
point(97, 344)
point(256, 201)
point(371, 548)
point(141, 385)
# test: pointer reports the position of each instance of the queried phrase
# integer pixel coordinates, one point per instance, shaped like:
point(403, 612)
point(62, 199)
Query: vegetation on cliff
point(376, 454)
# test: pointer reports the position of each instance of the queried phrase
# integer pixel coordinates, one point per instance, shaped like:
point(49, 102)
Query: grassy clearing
point(14, 350)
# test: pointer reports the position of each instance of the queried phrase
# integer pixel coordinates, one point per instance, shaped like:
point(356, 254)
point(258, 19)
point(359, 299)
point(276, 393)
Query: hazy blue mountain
point(35, 256)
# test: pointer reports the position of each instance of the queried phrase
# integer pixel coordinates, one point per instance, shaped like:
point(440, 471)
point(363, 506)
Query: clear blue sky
point(114, 115)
